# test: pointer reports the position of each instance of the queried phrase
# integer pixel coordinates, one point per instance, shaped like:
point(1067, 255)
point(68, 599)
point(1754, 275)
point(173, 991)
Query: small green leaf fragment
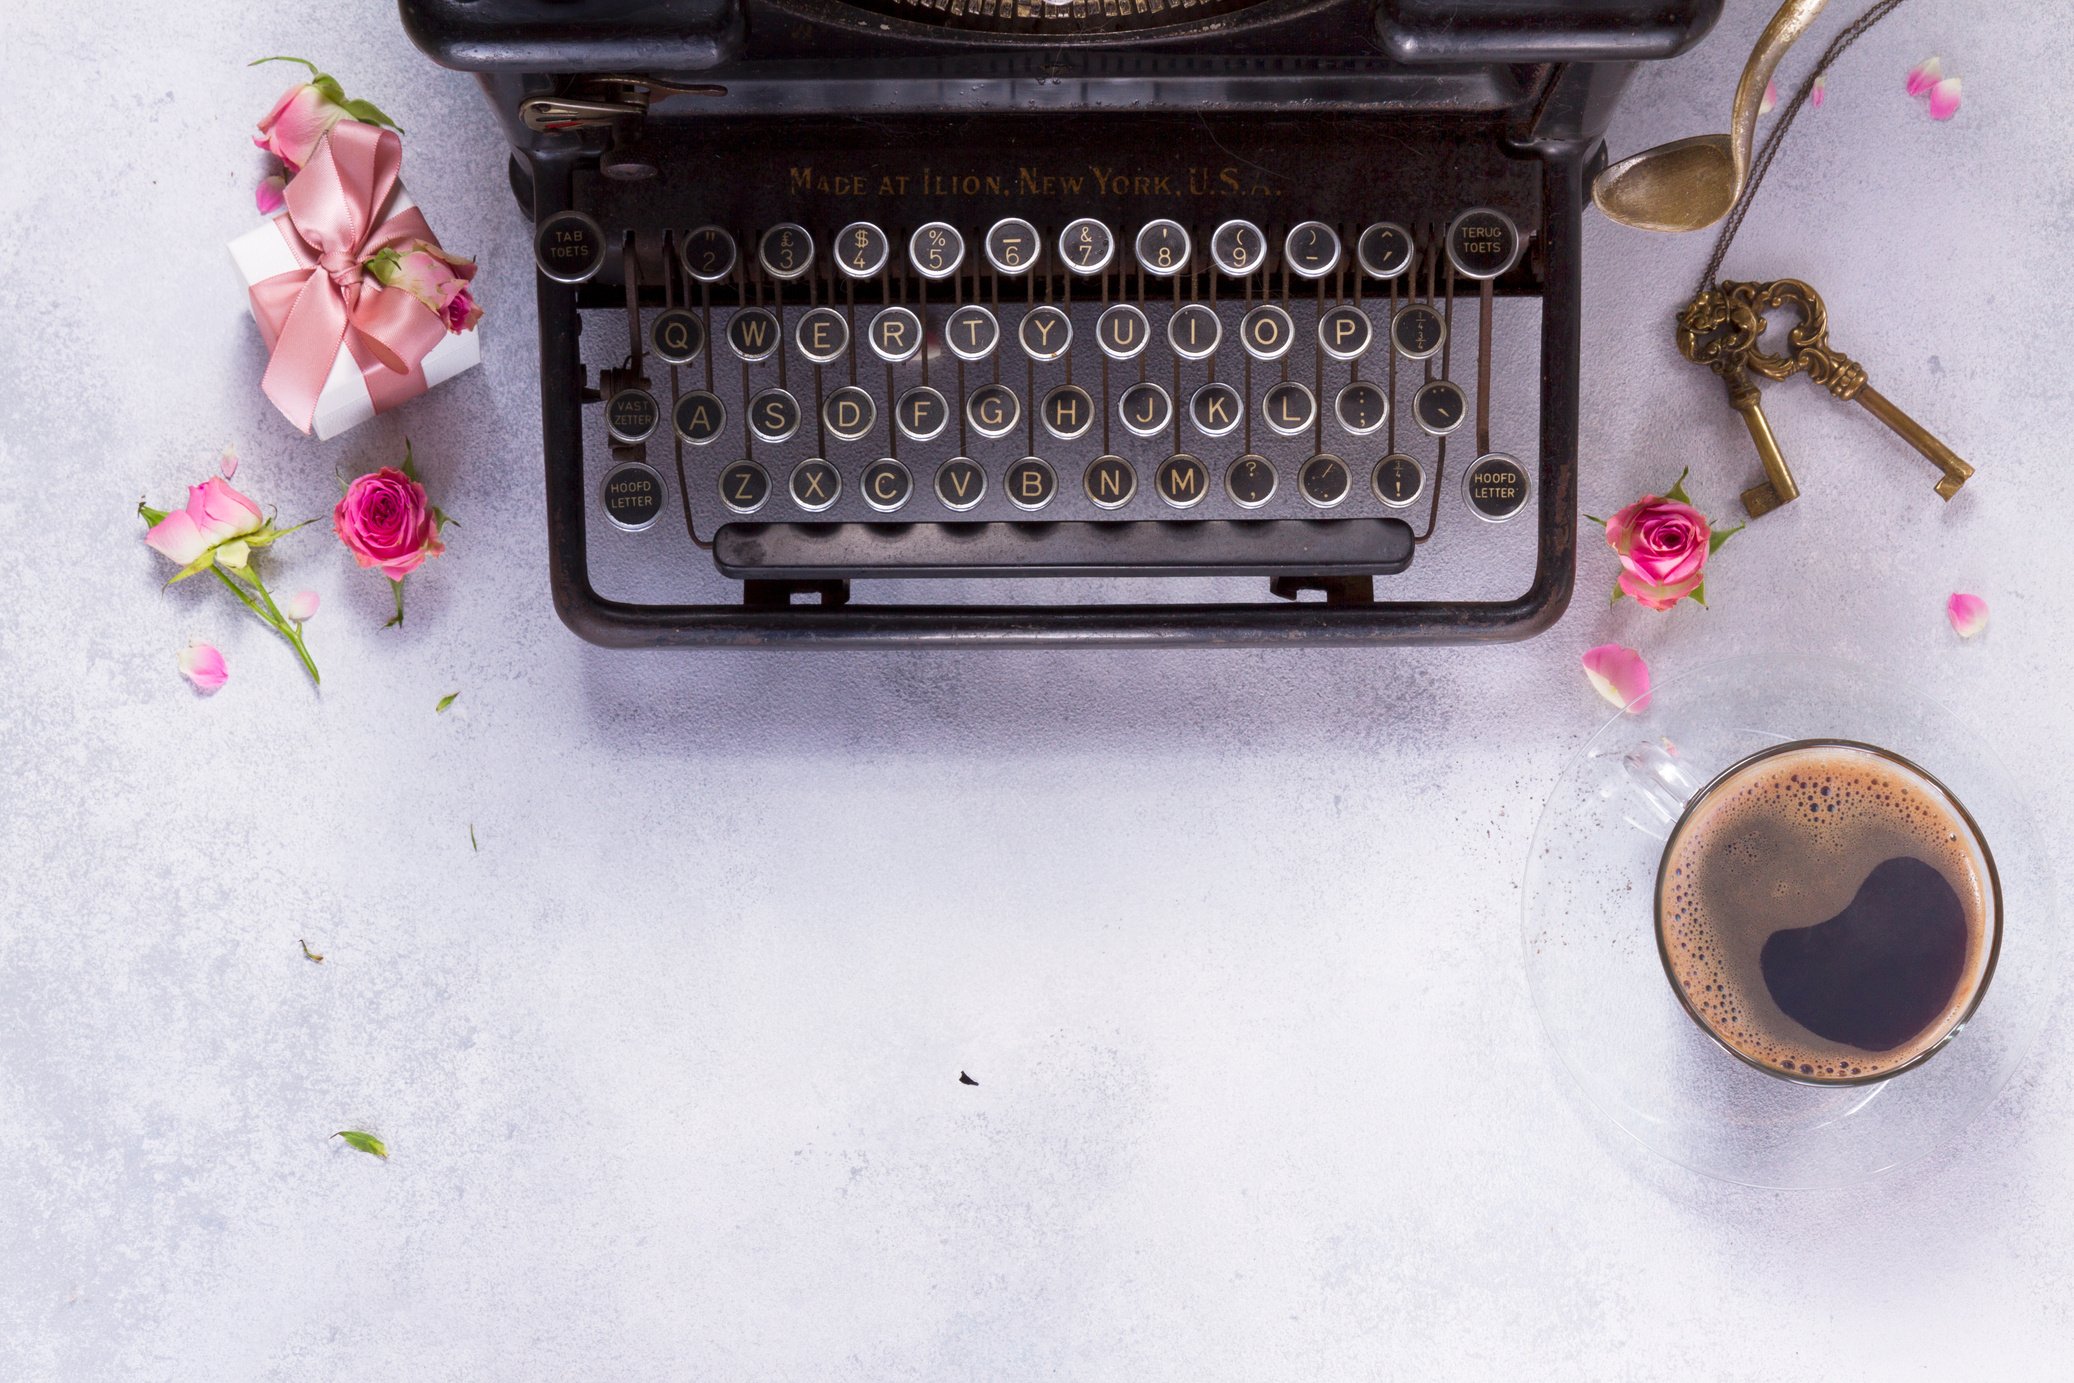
point(1714, 543)
point(308, 954)
point(1678, 488)
point(366, 1142)
point(444, 702)
point(471, 839)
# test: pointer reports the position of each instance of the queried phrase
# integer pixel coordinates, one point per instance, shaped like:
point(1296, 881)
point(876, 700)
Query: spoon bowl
point(1685, 185)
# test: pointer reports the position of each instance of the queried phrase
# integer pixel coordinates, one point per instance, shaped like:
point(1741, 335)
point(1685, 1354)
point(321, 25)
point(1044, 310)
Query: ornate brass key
point(1720, 332)
point(1808, 349)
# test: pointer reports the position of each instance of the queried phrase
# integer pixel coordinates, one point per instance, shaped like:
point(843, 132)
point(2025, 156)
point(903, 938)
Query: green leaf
point(1699, 595)
point(149, 514)
point(308, 954)
point(1618, 593)
point(1714, 543)
point(1677, 490)
point(370, 112)
point(471, 839)
point(1596, 519)
point(304, 61)
point(328, 87)
point(409, 466)
point(366, 1142)
point(198, 565)
point(444, 702)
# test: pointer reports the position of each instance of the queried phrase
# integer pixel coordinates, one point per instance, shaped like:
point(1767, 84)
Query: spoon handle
point(1791, 21)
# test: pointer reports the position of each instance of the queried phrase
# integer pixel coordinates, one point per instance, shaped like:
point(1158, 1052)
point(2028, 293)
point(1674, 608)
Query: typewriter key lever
point(1719, 332)
point(1808, 349)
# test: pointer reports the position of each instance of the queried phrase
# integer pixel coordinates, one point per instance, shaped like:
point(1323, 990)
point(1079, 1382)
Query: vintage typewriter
point(948, 322)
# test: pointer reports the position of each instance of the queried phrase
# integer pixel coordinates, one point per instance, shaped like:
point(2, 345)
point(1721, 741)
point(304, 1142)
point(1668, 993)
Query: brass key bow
point(1720, 332)
point(1808, 349)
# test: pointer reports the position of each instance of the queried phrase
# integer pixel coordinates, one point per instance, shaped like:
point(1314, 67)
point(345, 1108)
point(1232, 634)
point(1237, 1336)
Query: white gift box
point(263, 252)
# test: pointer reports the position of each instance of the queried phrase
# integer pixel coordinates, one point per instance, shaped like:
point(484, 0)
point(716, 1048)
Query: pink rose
point(386, 521)
point(432, 276)
point(215, 514)
point(298, 123)
point(1662, 545)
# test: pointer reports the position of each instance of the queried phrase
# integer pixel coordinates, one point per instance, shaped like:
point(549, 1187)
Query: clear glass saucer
point(1607, 1006)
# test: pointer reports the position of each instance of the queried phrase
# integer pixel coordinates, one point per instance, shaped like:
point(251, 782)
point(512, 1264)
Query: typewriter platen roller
point(969, 321)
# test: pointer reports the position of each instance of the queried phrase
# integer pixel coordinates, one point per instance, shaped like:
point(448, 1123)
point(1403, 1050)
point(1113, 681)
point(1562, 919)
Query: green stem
point(272, 616)
point(397, 586)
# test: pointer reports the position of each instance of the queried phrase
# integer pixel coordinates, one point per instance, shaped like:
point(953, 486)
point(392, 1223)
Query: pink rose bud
point(201, 664)
point(1662, 546)
point(386, 521)
point(215, 513)
point(301, 606)
point(298, 123)
point(432, 276)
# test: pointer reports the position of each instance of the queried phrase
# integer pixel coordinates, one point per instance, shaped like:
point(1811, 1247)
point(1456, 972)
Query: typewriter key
point(1439, 407)
point(922, 414)
point(815, 485)
point(752, 333)
point(1030, 483)
point(1012, 246)
point(1122, 331)
point(1250, 481)
point(1045, 333)
point(1267, 332)
point(936, 250)
point(960, 484)
point(1238, 248)
point(1215, 409)
point(1110, 482)
point(677, 336)
point(972, 332)
point(895, 334)
point(861, 250)
point(1417, 331)
point(1182, 480)
point(886, 485)
point(633, 496)
point(849, 412)
point(744, 487)
point(993, 410)
point(708, 254)
point(786, 251)
point(1067, 412)
point(1324, 480)
point(1312, 249)
point(1384, 250)
point(631, 414)
point(1482, 243)
point(1194, 331)
point(569, 247)
point(1289, 408)
point(1145, 410)
point(774, 415)
point(1086, 246)
point(1398, 481)
point(1496, 487)
point(1162, 248)
point(1361, 408)
point(822, 334)
point(699, 417)
point(1344, 333)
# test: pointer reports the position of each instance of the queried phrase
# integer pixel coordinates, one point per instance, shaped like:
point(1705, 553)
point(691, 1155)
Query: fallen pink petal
point(1819, 94)
point(1619, 674)
point(1944, 99)
point(301, 606)
point(202, 665)
point(1924, 75)
point(1771, 99)
point(269, 195)
point(227, 463)
point(1968, 614)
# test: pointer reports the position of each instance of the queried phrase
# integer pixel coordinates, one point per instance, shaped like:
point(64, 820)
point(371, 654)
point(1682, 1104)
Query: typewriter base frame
point(768, 619)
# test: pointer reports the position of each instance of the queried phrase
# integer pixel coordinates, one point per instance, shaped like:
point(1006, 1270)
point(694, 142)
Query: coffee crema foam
point(1785, 844)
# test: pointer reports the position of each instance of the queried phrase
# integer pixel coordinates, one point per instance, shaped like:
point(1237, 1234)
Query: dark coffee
point(1827, 912)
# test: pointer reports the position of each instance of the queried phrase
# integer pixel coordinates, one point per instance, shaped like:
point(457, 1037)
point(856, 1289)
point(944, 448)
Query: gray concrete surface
point(1230, 941)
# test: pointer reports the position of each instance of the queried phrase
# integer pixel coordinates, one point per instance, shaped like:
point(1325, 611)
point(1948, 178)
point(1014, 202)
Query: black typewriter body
point(1140, 322)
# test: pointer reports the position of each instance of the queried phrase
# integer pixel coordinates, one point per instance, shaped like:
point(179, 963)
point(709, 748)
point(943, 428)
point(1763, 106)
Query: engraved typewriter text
point(1193, 181)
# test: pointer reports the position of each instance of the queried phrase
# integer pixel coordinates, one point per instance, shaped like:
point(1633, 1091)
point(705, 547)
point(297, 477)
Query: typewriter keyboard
point(1068, 397)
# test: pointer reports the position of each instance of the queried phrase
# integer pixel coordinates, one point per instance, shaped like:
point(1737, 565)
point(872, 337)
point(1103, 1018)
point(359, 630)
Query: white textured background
point(669, 1066)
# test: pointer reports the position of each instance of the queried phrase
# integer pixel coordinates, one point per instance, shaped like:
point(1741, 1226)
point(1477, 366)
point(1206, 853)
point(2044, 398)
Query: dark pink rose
point(1662, 546)
point(386, 522)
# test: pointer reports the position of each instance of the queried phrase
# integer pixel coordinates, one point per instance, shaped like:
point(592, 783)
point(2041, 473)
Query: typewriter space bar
point(1206, 547)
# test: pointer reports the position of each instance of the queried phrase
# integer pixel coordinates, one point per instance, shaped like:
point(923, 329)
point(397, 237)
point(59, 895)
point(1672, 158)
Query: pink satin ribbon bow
point(329, 304)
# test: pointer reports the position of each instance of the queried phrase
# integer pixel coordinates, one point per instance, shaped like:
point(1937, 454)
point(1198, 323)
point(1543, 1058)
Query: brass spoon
point(1691, 183)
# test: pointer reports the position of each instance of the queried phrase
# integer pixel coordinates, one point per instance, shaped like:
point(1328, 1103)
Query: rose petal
point(301, 606)
point(202, 665)
point(268, 196)
point(1819, 94)
point(1771, 99)
point(1968, 614)
point(1924, 75)
point(227, 464)
point(1619, 674)
point(1944, 99)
